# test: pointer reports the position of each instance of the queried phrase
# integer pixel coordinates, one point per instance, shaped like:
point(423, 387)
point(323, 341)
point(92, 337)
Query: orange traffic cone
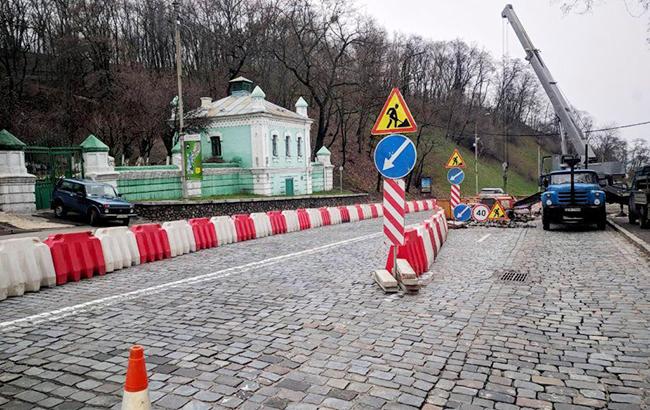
point(136, 387)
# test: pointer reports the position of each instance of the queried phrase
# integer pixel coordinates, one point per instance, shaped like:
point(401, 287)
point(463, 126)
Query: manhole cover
point(513, 276)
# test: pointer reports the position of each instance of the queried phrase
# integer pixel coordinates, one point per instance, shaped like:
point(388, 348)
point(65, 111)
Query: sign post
point(456, 176)
point(395, 157)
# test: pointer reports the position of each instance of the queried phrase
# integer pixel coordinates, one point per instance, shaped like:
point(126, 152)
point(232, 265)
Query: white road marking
point(484, 238)
point(111, 300)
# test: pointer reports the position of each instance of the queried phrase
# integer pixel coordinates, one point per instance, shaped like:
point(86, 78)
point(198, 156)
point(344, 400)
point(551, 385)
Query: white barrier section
point(315, 218)
point(367, 212)
point(292, 221)
point(225, 227)
point(262, 224)
point(443, 220)
point(335, 215)
point(408, 207)
point(25, 266)
point(428, 246)
point(181, 237)
point(119, 247)
point(354, 214)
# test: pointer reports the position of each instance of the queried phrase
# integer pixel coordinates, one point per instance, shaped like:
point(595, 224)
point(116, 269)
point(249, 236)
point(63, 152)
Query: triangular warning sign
point(395, 117)
point(497, 212)
point(456, 160)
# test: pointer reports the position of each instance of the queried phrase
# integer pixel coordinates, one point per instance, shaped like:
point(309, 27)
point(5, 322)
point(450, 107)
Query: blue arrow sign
point(455, 176)
point(395, 156)
point(462, 212)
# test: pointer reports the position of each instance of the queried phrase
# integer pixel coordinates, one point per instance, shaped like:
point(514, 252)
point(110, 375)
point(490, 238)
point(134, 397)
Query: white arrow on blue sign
point(455, 176)
point(395, 156)
point(462, 212)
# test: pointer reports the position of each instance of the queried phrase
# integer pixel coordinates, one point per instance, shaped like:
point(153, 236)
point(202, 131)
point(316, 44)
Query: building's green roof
point(9, 142)
point(93, 144)
point(323, 151)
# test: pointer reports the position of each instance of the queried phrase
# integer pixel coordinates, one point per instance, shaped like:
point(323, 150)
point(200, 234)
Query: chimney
point(301, 107)
point(205, 102)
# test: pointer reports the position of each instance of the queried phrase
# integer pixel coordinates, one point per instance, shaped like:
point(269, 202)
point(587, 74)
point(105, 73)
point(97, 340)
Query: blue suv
point(94, 200)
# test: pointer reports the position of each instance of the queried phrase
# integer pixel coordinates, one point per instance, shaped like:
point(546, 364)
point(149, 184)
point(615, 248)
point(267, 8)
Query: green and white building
point(268, 145)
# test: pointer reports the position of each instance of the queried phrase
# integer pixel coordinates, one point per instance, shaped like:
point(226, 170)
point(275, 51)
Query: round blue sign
point(395, 156)
point(462, 212)
point(455, 176)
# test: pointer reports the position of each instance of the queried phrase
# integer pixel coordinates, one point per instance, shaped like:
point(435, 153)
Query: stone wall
point(172, 210)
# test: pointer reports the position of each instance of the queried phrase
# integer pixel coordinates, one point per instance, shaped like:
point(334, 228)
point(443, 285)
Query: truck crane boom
point(569, 127)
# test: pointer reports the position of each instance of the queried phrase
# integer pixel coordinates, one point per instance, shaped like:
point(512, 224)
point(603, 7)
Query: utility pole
point(179, 80)
point(476, 138)
point(179, 68)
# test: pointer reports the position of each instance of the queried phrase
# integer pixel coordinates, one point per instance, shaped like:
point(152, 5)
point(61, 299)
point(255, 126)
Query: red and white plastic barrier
point(278, 222)
point(119, 247)
point(225, 227)
point(25, 266)
point(291, 217)
point(315, 218)
point(422, 243)
point(262, 224)
point(76, 255)
point(152, 241)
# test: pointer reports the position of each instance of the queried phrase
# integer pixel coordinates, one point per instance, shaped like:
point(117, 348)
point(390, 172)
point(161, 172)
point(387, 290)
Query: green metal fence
point(50, 164)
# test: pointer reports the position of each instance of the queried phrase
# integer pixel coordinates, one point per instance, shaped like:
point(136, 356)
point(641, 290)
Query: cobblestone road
point(237, 327)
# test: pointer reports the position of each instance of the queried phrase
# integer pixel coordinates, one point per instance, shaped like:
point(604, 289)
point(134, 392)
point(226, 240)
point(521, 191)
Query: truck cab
point(573, 196)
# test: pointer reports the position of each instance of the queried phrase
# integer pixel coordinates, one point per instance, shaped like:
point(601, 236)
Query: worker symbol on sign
point(455, 160)
point(394, 118)
point(497, 212)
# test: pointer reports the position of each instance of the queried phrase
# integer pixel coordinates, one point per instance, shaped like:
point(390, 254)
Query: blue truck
point(573, 195)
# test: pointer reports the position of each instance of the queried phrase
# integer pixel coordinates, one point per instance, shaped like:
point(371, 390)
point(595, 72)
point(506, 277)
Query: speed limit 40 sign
point(480, 212)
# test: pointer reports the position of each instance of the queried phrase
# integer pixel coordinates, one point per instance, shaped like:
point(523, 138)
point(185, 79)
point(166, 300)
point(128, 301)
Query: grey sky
point(601, 59)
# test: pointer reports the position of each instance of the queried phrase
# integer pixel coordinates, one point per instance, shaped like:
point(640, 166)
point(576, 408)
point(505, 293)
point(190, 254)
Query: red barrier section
point(439, 230)
point(425, 205)
point(325, 216)
point(76, 255)
point(345, 214)
point(412, 250)
point(374, 211)
point(205, 235)
point(416, 206)
point(303, 219)
point(359, 212)
point(245, 227)
point(278, 222)
point(152, 241)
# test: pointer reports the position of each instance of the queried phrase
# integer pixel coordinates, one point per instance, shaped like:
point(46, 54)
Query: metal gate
point(50, 164)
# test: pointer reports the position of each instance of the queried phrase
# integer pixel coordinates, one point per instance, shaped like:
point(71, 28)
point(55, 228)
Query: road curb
point(630, 236)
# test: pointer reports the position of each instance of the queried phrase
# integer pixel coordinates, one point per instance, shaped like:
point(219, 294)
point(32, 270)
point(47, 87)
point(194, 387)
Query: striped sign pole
point(394, 203)
point(455, 196)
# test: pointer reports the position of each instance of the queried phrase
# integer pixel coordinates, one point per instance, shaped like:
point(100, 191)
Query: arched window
point(274, 145)
point(299, 146)
point(216, 146)
point(287, 146)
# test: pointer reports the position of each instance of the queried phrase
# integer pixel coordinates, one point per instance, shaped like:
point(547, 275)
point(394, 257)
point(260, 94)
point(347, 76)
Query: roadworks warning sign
point(497, 212)
point(395, 117)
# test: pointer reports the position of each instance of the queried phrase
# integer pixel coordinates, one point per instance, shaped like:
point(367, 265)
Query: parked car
point(94, 200)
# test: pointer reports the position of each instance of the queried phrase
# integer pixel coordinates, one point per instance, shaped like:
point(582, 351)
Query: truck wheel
point(546, 221)
point(631, 211)
point(602, 221)
point(643, 217)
